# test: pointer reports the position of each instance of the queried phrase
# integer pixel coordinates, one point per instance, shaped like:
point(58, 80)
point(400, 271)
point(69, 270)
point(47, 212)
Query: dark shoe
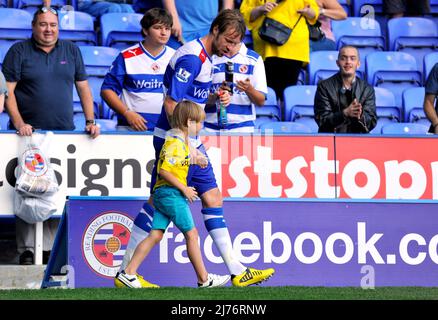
point(46, 256)
point(26, 258)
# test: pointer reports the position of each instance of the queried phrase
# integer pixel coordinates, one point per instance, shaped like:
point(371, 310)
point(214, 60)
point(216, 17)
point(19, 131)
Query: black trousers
point(281, 73)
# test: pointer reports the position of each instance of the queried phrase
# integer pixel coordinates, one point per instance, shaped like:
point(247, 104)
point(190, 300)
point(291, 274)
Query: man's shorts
point(202, 179)
point(171, 206)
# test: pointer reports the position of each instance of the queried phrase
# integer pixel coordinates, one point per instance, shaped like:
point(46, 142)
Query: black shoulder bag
point(315, 32)
point(275, 32)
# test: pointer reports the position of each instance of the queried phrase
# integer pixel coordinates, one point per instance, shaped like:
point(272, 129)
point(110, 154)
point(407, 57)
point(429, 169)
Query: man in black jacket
point(345, 103)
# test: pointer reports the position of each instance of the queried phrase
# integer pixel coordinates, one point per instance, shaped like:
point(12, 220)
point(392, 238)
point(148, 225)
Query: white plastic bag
point(36, 187)
point(36, 177)
point(33, 209)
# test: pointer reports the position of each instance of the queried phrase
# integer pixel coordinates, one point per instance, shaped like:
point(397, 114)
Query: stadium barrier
point(255, 166)
point(309, 242)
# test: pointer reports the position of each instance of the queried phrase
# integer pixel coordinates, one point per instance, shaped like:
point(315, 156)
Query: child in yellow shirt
point(171, 197)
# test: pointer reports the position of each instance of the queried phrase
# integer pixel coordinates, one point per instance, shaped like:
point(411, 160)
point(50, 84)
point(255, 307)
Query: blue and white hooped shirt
point(187, 77)
point(137, 77)
point(241, 112)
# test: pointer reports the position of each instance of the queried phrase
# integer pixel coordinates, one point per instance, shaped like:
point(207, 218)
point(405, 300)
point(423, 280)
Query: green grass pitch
point(227, 293)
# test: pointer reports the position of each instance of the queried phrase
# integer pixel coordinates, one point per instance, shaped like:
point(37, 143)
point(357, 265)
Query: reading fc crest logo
point(104, 242)
point(34, 163)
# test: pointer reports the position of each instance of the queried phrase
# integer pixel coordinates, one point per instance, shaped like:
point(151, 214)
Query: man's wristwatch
point(90, 121)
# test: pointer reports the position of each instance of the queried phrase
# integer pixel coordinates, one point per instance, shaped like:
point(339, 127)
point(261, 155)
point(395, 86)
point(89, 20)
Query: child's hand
point(191, 194)
point(201, 160)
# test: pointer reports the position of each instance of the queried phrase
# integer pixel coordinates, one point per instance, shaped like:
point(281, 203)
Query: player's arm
point(169, 106)
point(186, 70)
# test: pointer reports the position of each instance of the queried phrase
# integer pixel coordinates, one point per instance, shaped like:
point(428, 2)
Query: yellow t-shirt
point(174, 158)
point(297, 47)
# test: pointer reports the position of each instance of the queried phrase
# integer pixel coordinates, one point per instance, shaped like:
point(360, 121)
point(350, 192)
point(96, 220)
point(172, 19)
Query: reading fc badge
point(104, 242)
point(34, 162)
point(155, 67)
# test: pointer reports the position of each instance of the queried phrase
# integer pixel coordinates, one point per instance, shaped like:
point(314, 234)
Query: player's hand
point(224, 95)
point(244, 85)
point(191, 194)
point(136, 121)
point(93, 130)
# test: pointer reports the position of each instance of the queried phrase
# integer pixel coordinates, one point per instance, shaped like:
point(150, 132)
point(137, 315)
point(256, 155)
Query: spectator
point(282, 63)
point(431, 92)
point(99, 8)
point(410, 8)
point(249, 90)
point(192, 19)
point(328, 10)
point(40, 73)
point(344, 103)
point(3, 91)
point(134, 85)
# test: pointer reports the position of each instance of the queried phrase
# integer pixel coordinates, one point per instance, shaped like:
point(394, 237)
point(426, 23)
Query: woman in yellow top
point(282, 63)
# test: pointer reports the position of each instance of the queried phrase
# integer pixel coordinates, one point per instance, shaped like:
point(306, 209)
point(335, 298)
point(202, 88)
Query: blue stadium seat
point(105, 124)
point(4, 120)
point(413, 99)
point(120, 30)
point(414, 35)
point(434, 7)
point(375, 5)
point(4, 47)
point(263, 119)
point(302, 77)
point(270, 108)
point(430, 60)
point(363, 33)
point(78, 27)
point(344, 4)
point(107, 112)
point(405, 129)
point(308, 122)
point(395, 71)
point(98, 59)
point(381, 122)
point(284, 127)
point(386, 106)
point(298, 102)
point(77, 106)
point(323, 65)
point(247, 39)
point(15, 24)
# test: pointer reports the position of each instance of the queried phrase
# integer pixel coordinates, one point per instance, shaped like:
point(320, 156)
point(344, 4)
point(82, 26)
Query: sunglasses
point(47, 9)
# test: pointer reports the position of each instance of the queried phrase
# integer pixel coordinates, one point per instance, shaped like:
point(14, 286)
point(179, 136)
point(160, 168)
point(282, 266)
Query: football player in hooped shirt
point(133, 87)
point(189, 77)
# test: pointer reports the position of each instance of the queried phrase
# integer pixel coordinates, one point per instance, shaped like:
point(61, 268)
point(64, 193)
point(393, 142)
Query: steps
point(21, 277)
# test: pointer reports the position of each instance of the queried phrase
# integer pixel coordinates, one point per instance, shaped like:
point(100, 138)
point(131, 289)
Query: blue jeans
point(98, 8)
point(323, 44)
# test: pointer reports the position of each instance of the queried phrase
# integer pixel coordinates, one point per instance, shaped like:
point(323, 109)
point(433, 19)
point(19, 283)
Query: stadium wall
point(284, 166)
